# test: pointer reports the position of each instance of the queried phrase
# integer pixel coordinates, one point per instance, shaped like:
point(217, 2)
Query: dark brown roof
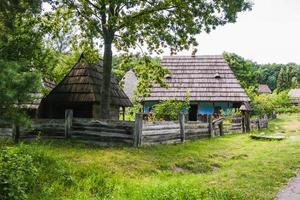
point(264, 89)
point(83, 84)
point(206, 78)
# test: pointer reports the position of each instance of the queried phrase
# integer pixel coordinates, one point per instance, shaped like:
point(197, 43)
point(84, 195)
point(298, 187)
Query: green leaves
point(17, 87)
point(244, 70)
point(169, 109)
point(147, 70)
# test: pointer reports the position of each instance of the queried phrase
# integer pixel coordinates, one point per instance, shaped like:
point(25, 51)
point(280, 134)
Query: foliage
point(243, 69)
point(267, 103)
point(17, 174)
point(276, 76)
point(285, 77)
point(17, 86)
point(170, 109)
point(230, 113)
point(21, 53)
point(154, 25)
point(147, 70)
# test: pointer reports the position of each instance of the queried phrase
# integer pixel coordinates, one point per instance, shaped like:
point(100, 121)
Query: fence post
point(68, 123)
point(221, 128)
point(257, 123)
point(16, 133)
point(266, 120)
point(181, 123)
point(210, 126)
point(137, 133)
point(243, 123)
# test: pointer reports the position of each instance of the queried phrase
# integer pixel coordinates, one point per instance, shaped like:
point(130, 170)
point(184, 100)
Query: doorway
point(193, 111)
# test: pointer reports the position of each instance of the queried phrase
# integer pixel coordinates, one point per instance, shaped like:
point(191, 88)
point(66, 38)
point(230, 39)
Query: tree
point(153, 24)
point(285, 77)
point(295, 83)
point(244, 70)
point(21, 49)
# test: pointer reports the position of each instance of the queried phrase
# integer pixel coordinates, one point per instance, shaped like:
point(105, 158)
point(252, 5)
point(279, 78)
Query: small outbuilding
point(208, 80)
point(294, 94)
point(80, 90)
point(264, 89)
point(31, 107)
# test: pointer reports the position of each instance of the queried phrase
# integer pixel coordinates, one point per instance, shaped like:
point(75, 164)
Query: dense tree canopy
point(251, 74)
point(152, 24)
point(20, 55)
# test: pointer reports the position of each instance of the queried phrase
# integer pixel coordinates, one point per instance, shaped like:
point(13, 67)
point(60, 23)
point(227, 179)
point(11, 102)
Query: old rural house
point(31, 107)
point(80, 91)
point(294, 94)
point(209, 81)
point(264, 89)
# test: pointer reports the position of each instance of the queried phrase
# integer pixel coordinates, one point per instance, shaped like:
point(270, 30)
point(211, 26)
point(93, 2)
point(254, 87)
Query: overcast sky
point(269, 33)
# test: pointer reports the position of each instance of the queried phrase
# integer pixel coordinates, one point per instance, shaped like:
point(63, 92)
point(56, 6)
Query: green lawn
point(230, 167)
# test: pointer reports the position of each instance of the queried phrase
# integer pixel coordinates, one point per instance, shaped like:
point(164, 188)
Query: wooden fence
point(104, 133)
point(137, 133)
point(166, 132)
point(233, 124)
point(261, 122)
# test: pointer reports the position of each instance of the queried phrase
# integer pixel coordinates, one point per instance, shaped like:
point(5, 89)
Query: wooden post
point(243, 123)
point(247, 121)
point(137, 136)
point(221, 128)
point(181, 123)
point(257, 123)
point(68, 123)
point(16, 133)
point(210, 126)
point(123, 113)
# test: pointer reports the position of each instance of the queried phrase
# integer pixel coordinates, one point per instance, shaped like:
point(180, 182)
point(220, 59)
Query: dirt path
point(292, 190)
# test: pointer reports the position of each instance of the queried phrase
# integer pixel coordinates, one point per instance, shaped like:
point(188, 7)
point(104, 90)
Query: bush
point(169, 109)
point(267, 103)
point(17, 173)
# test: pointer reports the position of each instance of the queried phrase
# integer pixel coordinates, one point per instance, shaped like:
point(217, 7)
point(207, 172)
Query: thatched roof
point(294, 94)
point(264, 89)
point(83, 84)
point(206, 78)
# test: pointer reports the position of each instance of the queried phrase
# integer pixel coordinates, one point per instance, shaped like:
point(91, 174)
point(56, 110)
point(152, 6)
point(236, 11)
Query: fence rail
point(140, 132)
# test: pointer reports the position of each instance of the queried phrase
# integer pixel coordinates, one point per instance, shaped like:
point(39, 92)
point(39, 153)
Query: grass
point(230, 167)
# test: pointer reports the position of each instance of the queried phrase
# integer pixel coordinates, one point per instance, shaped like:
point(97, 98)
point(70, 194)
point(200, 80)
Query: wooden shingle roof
point(205, 78)
point(83, 84)
point(294, 94)
point(264, 89)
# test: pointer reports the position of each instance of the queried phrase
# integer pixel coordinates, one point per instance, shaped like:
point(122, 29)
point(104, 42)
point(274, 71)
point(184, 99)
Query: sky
point(270, 33)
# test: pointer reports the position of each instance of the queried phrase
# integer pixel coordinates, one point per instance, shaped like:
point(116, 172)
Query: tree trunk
point(106, 80)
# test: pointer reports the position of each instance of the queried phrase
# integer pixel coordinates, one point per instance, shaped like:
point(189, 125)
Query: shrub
point(267, 103)
point(169, 109)
point(17, 173)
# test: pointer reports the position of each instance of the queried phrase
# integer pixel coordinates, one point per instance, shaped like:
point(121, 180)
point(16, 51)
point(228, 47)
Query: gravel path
point(292, 190)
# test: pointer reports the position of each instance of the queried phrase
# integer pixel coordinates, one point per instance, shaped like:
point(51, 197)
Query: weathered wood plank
point(105, 129)
point(159, 127)
point(103, 139)
point(160, 137)
point(161, 132)
point(101, 134)
point(192, 131)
